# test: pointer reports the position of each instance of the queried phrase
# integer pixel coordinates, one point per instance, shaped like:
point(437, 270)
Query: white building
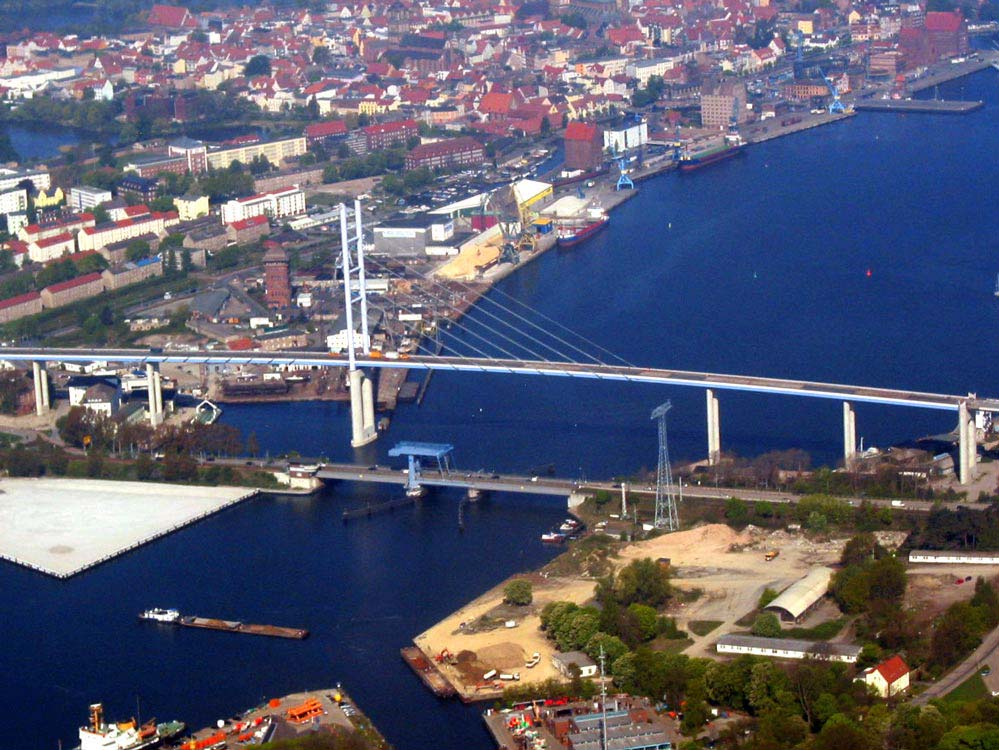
point(787, 648)
point(888, 678)
point(13, 202)
point(83, 197)
point(643, 70)
point(9, 178)
point(628, 137)
point(563, 662)
point(953, 557)
point(275, 205)
point(337, 342)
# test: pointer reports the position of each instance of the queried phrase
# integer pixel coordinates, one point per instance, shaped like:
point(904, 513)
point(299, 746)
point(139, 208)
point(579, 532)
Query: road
point(962, 671)
point(544, 485)
point(595, 370)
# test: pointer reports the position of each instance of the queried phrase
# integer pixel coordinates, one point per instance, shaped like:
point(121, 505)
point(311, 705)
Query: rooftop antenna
point(666, 513)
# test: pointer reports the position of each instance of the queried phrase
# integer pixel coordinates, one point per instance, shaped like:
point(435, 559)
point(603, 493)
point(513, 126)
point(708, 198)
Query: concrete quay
point(62, 527)
point(950, 71)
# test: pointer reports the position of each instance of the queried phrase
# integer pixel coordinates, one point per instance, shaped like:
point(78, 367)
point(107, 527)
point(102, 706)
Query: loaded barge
point(173, 617)
point(428, 672)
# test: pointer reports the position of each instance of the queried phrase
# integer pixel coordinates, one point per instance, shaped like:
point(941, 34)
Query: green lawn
point(972, 689)
point(702, 627)
point(821, 632)
point(670, 645)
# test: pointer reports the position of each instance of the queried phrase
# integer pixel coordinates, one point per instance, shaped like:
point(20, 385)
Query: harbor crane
point(835, 106)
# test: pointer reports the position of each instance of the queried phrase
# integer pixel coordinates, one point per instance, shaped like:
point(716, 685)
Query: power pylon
point(666, 513)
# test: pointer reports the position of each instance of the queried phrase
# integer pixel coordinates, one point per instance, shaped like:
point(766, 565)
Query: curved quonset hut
point(799, 597)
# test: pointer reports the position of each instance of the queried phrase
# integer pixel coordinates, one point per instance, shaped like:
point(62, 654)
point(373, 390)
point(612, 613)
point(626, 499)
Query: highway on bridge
point(814, 389)
point(545, 485)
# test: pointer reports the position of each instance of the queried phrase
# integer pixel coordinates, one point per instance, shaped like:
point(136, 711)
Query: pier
point(929, 106)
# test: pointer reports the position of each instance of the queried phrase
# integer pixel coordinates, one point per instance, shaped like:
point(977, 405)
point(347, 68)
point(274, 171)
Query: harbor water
point(863, 252)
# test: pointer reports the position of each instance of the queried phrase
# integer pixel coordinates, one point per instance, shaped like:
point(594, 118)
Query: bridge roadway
point(838, 391)
point(544, 485)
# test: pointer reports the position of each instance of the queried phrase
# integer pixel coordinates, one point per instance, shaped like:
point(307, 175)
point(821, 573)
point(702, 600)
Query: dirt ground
point(933, 588)
point(728, 566)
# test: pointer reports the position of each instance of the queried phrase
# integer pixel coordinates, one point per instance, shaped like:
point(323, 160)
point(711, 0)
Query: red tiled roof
point(580, 131)
point(19, 300)
point(59, 239)
point(78, 281)
point(942, 21)
point(892, 669)
point(253, 221)
point(323, 129)
point(170, 15)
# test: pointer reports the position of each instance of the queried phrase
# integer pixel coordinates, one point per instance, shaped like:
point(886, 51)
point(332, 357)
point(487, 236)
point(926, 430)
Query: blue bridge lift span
point(413, 451)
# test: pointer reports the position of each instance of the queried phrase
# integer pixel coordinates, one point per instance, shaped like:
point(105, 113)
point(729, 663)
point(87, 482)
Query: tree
point(258, 65)
point(137, 250)
point(643, 581)
point(646, 619)
point(321, 55)
point(518, 592)
point(860, 549)
point(576, 629)
point(766, 597)
point(100, 215)
point(736, 511)
point(766, 625)
point(613, 647)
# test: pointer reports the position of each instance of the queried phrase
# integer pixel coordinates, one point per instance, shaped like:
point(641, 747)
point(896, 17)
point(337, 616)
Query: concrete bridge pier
point(714, 429)
point(41, 378)
point(849, 434)
point(967, 444)
point(362, 410)
point(155, 395)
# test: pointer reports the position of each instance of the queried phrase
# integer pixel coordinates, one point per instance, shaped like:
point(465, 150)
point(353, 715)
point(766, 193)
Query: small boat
point(170, 729)
point(553, 537)
point(416, 492)
point(160, 615)
point(996, 292)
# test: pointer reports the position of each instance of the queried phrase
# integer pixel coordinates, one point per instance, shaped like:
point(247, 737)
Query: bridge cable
point(496, 290)
point(509, 325)
point(470, 332)
point(515, 342)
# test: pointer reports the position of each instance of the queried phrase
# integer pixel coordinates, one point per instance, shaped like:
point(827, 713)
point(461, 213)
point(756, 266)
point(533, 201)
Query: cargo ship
point(568, 235)
point(691, 161)
point(121, 735)
point(428, 672)
point(173, 617)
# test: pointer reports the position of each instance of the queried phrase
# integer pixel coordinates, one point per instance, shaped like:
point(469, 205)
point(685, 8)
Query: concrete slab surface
point(63, 526)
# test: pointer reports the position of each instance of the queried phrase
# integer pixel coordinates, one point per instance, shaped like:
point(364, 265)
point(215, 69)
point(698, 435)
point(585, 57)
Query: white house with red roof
point(888, 678)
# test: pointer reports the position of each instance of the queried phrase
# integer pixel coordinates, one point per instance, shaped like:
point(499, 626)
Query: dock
point(235, 626)
point(294, 715)
point(928, 106)
point(428, 672)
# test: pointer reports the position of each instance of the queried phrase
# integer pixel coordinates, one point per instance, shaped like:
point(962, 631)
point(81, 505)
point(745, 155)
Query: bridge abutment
point(849, 435)
point(155, 395)
point(714, 428)
point(967, 444)
point(362, 410)
point(41, 378)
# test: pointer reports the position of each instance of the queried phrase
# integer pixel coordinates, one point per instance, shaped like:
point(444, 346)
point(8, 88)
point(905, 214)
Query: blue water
point(40, 141)
point(764, 271)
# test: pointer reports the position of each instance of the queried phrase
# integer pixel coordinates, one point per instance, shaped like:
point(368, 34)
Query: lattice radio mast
point(666, 513)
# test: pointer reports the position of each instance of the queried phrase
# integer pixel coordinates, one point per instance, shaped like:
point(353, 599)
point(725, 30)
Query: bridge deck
point(813, 389)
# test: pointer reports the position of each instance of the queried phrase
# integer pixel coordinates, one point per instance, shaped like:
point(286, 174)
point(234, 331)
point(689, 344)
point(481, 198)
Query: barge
point(173, 617)
point(428, 672)
point(694, 160)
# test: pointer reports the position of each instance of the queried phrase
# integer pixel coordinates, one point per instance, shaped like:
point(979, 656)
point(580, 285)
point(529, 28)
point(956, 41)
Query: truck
point(897, 504)
point(771, 555)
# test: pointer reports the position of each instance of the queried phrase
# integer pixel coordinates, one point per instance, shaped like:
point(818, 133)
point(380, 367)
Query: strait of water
point(763, 271)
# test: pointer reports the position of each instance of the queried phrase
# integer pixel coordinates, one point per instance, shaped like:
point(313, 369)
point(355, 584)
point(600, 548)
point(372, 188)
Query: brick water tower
point(277, 286)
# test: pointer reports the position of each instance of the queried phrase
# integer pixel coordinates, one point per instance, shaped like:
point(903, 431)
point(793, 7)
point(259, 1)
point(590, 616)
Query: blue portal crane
point(835, 106)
